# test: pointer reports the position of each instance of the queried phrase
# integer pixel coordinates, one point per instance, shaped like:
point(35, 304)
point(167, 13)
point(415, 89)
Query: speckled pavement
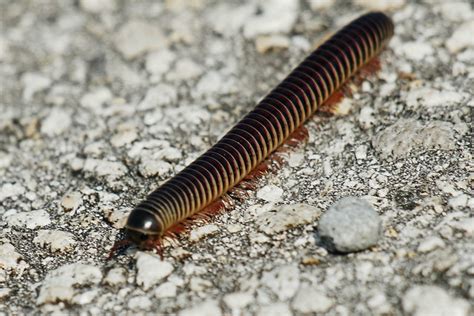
point(101, 101)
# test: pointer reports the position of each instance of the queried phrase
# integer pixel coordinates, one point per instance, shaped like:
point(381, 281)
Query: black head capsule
point(143, 229)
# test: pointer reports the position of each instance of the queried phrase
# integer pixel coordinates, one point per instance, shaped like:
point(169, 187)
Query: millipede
point(260, 132)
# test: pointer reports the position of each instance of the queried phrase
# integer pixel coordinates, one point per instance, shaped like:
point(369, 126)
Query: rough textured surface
point(95, 115)
point(351, 224)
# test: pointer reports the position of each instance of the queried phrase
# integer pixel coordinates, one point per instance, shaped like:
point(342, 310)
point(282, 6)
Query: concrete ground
point(101, 101)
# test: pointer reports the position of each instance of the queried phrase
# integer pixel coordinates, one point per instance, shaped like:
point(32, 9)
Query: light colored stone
point(4, 293)
point(185, 69)
point(61, 285)
point(98, 6)
point(366, 117)
point(430, 244)
point(152, 167)
point(159, 62)
point(465, 225)
point(455, 11)
point(10, 259)
point(103, 168)
point(33, 83)
point(123, 138)
point(407, 135)
point(160, 95)
point(151, 269)
point(117, 217)
point(238, 300)
point(167, 289)
point(96, 98)
point(282, 280)
point(11, 190)
point(416, 51)
point(421, 300)
point(207, 308)
point(316, 5)
point(381, 5)
point(139, 303)
point(138, 37)
point(57, 122)
point(459, 201)
point(115, 277)
point(71, 201)
point(266, 23)
point(278, 308)
point(284, 217)
point(461, 38)
point(203, 231)
point(264, 44)
point(85, 297)
point(430, 97)
point(310, 300)
point(351, 224)
point(30, 220)
point(56, 240)
point(270, 193)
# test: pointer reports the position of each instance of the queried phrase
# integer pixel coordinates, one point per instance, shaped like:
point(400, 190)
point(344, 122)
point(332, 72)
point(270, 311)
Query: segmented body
point(265, 128)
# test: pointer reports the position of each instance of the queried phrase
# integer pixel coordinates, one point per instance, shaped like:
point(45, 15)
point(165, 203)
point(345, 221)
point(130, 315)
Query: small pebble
point(461, 38)
point(57, 240)
point(284, 217)
point(167, 289)
point(151, 269)
point(30, 220)
point(139, 303)
point(57, 122)
point(349, 225)
point(11, 190)
point(200, 232)
point(71, 201)
point(138, 37)
point(310, 300)
point(282, 280)
point(264, 44)
point(207, 308)
point(10, 259)
point(422, 300)
point(115, 277)
point(279, 308)
point(430, 244)
point(270, 193)
point(238, 300)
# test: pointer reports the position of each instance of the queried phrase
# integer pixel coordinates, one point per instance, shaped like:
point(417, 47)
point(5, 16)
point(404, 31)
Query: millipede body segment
point(261, 131)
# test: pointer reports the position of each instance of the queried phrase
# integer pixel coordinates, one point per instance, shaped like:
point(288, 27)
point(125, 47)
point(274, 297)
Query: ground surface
point(94, 115)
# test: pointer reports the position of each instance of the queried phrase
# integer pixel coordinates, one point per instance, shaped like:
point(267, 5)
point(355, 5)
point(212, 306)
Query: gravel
point(351, 224)
point(102, 101)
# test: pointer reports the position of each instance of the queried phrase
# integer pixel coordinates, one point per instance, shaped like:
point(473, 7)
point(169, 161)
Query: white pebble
point(137, 37)
point(285, 217)
point(10, 259)
point(430, 244)
point(103, 168)
point(207, 308)
point(33, 83)
point(270, 193)
point(115, 277)
point(415, 51)
point(310, 300)
point(57, 122)
point(381, 5)
point(167, 289)
point(238, 300)
point(152, 167)
point(71, 201)
point(278, 308)
point(423, 300)
point(266, 23)
point(282, 280)
point(57, 240)
point(98, 6)
point(264, 44)
point(96, 99)
point(139, 303)
point(461, 38)
point(11, 190)
point(151, 269)
point(61, 284)
point(30, 220)
point(159, 62)
point(200, 232)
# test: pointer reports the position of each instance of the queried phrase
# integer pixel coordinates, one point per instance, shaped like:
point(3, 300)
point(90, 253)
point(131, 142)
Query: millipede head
point(143, 229)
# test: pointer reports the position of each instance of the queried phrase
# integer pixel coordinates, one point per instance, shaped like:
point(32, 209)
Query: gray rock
point(310, 300)
point(279, 308)
point(57, 122)
point(11, 190)
point(349, 225)
point(10, 259)
point(207, 308)
point(30, 220)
